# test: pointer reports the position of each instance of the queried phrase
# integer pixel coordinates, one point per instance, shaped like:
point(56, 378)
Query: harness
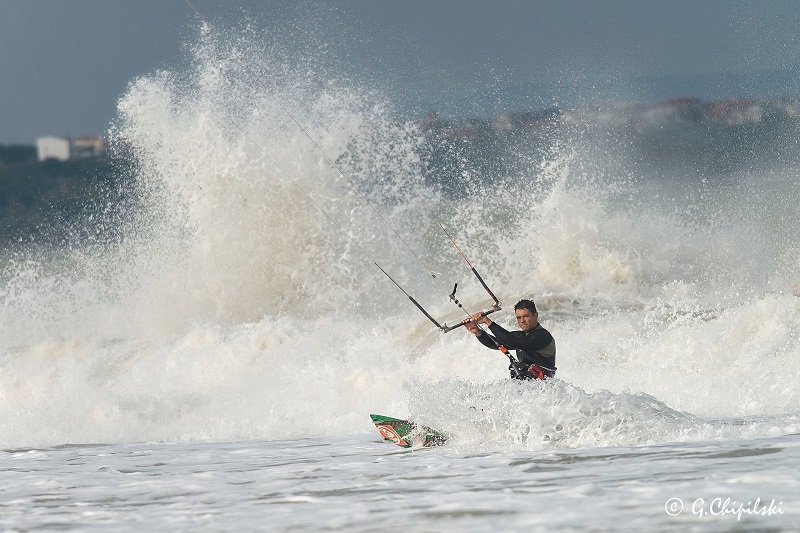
point(520, 370)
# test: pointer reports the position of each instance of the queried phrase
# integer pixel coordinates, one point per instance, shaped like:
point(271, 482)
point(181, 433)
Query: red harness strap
point(536, 372)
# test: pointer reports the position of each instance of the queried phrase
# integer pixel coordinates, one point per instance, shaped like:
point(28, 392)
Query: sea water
point(212, 363)
point(355, 483)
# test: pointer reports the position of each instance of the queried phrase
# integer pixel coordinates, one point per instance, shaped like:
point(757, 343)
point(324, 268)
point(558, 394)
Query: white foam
point(234, 309)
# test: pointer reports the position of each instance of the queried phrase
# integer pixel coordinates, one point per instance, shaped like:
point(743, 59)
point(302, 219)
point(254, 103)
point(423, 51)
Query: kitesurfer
point(535, 346)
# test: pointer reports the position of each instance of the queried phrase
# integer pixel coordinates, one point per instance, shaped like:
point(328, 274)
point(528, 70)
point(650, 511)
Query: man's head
point(527, 317)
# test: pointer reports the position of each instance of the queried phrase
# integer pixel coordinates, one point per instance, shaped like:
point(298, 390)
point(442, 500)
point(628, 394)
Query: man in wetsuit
point(535, 346)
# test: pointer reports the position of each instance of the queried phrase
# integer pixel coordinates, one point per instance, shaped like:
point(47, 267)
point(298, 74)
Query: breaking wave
point(242, 301)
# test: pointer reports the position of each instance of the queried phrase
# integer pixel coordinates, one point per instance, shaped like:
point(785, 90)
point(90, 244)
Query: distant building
point(52, 148)
point(86, 147)
point(736, 111)
point(63, 149)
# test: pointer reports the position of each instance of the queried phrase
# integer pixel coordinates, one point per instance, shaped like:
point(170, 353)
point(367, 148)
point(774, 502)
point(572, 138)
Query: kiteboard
point(406, 433)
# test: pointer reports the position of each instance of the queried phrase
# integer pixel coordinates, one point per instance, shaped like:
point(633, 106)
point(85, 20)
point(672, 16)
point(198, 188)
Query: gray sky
point(64, 63)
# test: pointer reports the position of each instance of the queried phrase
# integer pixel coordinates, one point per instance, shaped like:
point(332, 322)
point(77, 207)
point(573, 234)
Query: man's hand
point(471, 326)
point(472, 323)
point(480, 318)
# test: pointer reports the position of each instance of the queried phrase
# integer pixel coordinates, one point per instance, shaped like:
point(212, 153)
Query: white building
point(62, 149)
point(86, 147)
point(52, 148)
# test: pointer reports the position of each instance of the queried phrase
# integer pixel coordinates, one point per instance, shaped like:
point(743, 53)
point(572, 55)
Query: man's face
point(527, 320)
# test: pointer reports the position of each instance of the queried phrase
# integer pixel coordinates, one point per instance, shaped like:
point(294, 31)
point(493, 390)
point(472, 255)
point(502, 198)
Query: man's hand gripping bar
point(447, 328)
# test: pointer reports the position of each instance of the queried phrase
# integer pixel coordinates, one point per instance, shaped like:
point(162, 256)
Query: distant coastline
point(52, 202)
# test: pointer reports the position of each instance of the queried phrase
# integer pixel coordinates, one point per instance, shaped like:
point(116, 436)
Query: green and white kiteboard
point(406, 433)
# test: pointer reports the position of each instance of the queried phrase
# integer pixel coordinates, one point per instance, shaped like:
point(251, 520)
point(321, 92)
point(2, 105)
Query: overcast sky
point(65, 63)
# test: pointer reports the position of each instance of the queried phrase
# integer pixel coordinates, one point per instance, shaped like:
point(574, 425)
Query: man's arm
point(536, 341)
point(482, 336)
point(487, 341)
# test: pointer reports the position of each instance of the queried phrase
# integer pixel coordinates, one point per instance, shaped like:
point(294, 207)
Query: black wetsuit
point(534, 347)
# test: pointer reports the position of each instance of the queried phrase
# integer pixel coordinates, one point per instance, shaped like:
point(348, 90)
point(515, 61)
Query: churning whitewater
point(229, 307)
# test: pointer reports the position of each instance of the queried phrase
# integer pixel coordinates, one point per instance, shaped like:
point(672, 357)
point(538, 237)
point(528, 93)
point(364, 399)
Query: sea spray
point(232, 309)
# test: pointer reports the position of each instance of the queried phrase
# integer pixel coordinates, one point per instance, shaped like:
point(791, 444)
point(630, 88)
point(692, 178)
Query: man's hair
point(526, 304)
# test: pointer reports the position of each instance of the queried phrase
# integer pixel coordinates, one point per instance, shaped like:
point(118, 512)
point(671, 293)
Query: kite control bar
point(447, 328)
